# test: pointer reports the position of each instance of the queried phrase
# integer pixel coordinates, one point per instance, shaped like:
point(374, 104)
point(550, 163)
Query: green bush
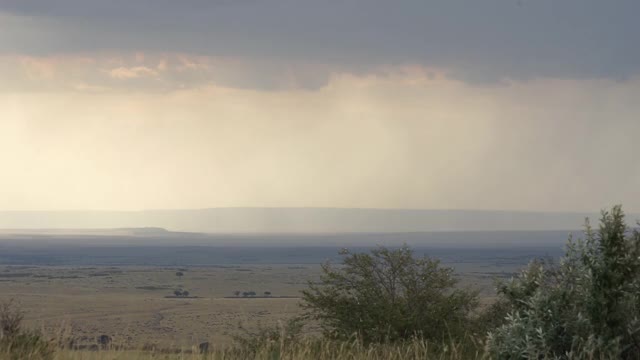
point(387, 296)
point(587, 306)
point(17, 343)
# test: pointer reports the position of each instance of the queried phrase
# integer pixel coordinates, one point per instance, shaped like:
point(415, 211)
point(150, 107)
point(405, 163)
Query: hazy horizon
point(303, 220)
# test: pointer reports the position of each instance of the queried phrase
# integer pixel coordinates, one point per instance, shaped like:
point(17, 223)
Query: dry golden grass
point(309, 349)
point(128, 304)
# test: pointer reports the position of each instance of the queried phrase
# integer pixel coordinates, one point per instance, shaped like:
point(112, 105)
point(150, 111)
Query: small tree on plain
point(236, 293)
point(179, 274)
point(185, 293)
point(389, 295)
point(267, 293)
point(177, 293)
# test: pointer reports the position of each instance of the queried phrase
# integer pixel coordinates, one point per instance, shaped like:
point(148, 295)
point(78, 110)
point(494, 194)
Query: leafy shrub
point(587, 306)
point(16, 343)
point(10, 320)
point(387, 296)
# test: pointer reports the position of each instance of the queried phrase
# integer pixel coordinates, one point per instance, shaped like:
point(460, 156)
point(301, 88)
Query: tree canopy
point(389, 295)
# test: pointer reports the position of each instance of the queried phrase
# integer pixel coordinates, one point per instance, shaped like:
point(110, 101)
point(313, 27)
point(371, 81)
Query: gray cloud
point(474, 40)
point(140, 72)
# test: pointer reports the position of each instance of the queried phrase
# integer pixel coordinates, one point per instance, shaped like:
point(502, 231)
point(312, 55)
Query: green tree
point(588, 305)
point(389, 295)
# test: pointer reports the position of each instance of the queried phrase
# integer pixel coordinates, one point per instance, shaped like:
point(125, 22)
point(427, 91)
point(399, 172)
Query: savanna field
point(384, 303)
point(130, 304)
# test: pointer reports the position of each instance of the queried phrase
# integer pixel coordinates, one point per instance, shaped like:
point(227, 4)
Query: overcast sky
point(477, 104)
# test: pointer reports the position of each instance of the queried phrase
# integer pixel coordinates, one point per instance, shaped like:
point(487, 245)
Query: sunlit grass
point(305, 349)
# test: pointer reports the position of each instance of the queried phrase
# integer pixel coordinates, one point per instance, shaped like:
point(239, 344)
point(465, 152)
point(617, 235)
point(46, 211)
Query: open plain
point(129, 303)
point(122, 285)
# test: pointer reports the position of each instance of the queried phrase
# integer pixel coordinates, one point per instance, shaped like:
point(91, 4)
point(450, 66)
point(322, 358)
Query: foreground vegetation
point(307, 349)
point(390, 304)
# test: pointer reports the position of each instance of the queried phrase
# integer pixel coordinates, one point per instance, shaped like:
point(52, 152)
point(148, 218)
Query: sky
point(424, 104)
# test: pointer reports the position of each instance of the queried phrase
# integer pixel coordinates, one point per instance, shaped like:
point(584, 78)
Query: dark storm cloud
point(481, 40)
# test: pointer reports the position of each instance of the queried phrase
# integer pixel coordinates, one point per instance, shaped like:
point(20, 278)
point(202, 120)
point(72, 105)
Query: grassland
point(305, 350)
point(121, 291)
point(129, 303)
